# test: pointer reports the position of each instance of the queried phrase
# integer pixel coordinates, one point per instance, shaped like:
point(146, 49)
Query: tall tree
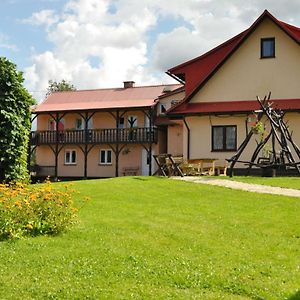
point(15, 123)
point(59, 86)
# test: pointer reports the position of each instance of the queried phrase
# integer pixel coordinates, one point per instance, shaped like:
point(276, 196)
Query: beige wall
point(130, 156)
point(245, 75)
point(166, 101)
point(201, 135)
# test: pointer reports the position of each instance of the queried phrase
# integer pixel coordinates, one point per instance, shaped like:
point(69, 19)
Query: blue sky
point(100, 43)
point(23, 36)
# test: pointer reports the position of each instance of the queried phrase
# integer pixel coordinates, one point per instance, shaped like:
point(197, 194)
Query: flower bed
point(35, 210)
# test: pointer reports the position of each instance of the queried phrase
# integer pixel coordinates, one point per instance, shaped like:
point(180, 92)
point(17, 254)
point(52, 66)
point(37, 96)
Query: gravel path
point(257, 188)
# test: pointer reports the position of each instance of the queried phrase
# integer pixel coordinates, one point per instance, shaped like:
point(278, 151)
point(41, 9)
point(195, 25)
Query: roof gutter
point(188, 138)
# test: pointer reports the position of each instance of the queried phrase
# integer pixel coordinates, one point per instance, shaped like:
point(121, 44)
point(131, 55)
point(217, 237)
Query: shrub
point(15, 123)
point(35, 210)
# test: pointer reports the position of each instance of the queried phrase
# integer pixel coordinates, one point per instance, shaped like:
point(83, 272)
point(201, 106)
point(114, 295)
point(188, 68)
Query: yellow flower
point(32, 197)
point(29, 227)
point(18, 203)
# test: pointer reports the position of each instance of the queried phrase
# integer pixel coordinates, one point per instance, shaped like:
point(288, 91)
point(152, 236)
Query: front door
point(145, 163)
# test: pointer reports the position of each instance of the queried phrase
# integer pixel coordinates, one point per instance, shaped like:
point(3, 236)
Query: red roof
point(199, 70)
point(233, 107)
point(134, 97)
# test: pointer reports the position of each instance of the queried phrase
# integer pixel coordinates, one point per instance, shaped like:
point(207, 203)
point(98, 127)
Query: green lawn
point(155, 238)
point(285, 182)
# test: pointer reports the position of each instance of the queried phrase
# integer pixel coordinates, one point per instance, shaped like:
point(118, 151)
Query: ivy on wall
point(15, 124)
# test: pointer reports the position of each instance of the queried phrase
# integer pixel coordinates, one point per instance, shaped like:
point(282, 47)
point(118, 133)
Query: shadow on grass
point(295, 296)
point(147, 178)
point(140, 178)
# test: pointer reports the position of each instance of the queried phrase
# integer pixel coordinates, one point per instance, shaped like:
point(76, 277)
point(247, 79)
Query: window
point(78, 124)
point(52, 124)
point(121, 122)
point(162, 109)
point(224, 138)
point(70, 157)
point(132, 121)
point(90, 123)
point(105, 157)
point(267, 48)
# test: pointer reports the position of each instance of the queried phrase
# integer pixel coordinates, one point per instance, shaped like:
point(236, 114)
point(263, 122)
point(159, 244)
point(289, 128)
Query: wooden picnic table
point(204, 166)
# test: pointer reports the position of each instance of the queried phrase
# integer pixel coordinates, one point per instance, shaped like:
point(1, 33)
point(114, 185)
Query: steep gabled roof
point(209, 63)
point(135, 97)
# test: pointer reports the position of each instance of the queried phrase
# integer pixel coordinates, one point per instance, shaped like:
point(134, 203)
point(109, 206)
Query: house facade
point(99, 133)
point(221, 88)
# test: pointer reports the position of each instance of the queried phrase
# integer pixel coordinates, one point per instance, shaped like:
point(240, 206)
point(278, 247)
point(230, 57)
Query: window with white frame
point(105, 157)
point(70, 157)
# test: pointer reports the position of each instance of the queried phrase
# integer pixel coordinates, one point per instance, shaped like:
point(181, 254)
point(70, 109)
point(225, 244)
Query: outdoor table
point(204, 165)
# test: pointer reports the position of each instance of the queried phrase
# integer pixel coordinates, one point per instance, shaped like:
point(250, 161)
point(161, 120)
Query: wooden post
point(117, 143)
point(56, 146)
point(85, 153)
point(149, 153)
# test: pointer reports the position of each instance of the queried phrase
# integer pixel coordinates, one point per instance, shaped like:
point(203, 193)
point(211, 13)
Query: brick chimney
point(128, 84)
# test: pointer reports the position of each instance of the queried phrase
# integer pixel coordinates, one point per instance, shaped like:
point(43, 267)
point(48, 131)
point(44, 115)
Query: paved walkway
point(257, 188)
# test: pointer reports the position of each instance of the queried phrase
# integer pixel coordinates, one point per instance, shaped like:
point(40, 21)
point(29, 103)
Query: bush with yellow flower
point(35, 210)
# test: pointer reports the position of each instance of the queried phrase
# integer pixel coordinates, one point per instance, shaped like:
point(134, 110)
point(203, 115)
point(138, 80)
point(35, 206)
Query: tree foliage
point(15, 123)
point(59, 86)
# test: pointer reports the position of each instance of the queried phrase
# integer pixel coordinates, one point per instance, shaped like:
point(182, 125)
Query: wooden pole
point(117, 152)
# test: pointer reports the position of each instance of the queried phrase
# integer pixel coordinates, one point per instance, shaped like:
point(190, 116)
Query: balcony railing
point(95, 136)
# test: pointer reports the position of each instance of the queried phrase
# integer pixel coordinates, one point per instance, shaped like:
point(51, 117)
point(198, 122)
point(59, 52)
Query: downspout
point(188, 138)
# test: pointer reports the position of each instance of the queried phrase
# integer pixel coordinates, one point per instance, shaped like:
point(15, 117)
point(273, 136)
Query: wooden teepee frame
point(281, 139)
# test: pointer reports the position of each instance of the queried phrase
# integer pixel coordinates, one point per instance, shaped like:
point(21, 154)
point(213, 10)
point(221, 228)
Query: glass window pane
point(67, 157)
point(90, 123)
point(102, 157)
point(230, 137)
point(217, 138)
point(78, 124)
point(108, 156)
point(268, 48)
point(73, 157)
point(121, 122)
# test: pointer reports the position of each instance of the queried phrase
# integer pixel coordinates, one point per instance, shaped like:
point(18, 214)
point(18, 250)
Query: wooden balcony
point(95, 136)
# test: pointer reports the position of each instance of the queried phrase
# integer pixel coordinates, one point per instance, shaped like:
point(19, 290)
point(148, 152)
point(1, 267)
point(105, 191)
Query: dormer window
point(267, 48)
point(162, 109)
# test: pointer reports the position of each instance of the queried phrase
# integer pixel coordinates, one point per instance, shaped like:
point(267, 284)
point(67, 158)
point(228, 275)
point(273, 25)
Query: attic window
point(267, 48)
point(162, 109)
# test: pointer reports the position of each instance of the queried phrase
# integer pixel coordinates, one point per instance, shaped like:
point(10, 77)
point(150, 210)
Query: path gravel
point(256, 188)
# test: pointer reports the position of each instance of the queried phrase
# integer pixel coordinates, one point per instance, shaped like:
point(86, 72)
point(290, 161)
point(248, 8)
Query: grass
point(154, 238)
point(285, 182)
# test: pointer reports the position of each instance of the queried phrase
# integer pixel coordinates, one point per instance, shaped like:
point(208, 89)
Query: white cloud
point(116, 33)
point(44, 17)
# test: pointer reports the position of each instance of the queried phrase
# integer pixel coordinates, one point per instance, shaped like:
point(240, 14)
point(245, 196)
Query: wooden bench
point(130, 171)
point(221, 167)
